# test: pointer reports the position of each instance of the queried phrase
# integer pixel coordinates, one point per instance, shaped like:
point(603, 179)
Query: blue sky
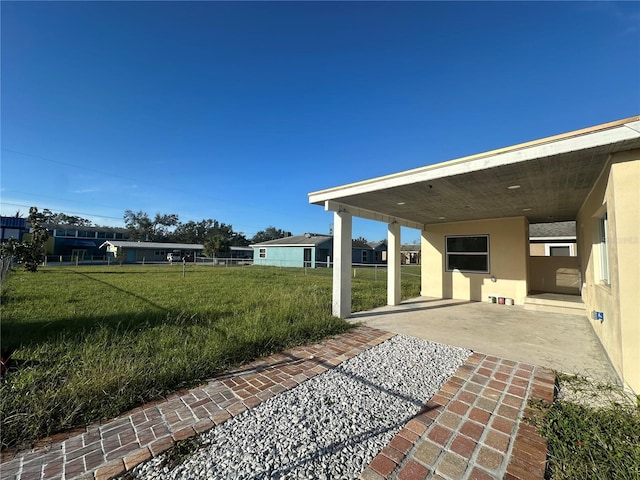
point(236, 111)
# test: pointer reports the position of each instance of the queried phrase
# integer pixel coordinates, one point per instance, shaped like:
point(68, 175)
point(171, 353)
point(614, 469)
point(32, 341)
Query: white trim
point(549, 246)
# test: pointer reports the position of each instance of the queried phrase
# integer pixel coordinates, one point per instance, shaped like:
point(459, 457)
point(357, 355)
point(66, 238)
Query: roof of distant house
point(154, 245)
point(413, 247)
point(308, 239)
point(552, 230)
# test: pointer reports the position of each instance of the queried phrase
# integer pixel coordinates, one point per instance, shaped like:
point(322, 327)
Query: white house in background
point(474, 214)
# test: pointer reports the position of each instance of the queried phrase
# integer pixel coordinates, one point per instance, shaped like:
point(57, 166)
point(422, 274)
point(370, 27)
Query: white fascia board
point(332, 206)
point(551, 239)
point(497, 158)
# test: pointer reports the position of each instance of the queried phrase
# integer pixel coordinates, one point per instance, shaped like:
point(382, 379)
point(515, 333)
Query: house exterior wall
point(554, 275)
point(536, 250)
point(291, 255)
point(508, 261)
point(617, 193)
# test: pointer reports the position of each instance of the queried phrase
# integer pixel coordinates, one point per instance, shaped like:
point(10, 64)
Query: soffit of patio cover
point(554, 175)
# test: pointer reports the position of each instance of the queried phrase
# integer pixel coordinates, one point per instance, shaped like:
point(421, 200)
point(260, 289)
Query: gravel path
point(330, 426)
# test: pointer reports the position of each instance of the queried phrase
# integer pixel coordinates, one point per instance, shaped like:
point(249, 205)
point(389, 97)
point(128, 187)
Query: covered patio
point(474, 215)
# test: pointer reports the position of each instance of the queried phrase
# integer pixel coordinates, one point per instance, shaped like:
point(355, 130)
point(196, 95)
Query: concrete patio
point(561, 342)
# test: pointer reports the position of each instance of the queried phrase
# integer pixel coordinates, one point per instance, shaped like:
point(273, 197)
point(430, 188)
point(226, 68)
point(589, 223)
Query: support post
point(342, 226)
point(394, 293)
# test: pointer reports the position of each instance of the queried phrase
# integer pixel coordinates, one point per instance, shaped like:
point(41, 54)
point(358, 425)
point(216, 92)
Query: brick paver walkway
point(472, 428)
point(468, 429)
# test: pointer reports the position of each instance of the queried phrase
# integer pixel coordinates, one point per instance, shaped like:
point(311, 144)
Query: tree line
point(216, 237)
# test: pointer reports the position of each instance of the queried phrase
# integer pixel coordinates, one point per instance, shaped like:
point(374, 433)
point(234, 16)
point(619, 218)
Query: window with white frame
point(467, 253)
point(262, 253)
point(603, 247)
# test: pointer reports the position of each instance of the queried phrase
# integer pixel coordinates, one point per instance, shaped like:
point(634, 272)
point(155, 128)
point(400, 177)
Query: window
point(364, 256)
point(468, 253)
point(563, 251)
point(604, 251)
point(262, 253)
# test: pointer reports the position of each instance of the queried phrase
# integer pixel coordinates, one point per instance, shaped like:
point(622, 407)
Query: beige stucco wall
point(508, 261)
point(618, 193)
point(554, 275)
point(536, 249)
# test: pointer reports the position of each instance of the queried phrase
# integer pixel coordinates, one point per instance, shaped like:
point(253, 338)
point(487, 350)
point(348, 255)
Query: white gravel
point(330, 426)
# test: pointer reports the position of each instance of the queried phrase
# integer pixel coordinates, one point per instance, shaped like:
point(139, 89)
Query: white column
point(393, 265)
point(342, 226)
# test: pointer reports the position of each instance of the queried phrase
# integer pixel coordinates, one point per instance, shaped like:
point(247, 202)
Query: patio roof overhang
point(545, 180)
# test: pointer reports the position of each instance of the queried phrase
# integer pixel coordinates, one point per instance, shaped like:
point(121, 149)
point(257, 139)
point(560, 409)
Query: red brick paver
point(109, 449)
point(469, 426)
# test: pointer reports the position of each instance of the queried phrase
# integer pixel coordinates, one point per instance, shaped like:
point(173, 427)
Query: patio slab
point(560, 342)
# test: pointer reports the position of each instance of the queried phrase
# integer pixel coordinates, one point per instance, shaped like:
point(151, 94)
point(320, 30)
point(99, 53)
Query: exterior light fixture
point(513, 187)
point(401, 203)
point(441, 218)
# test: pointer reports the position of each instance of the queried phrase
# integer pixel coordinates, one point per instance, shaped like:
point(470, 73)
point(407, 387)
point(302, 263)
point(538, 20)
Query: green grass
point(93, 342)
point(591, 442)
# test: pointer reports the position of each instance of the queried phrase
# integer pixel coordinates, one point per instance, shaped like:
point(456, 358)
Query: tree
point(63, 219)
point(216, 244)
point(141, 227)
point(199, 232)
point(121, 255)
point(29, 252)
point(270, 233)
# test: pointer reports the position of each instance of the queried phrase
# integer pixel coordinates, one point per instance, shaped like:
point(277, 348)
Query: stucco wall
point(508, 261)
point(618, 193)
point(554, 275)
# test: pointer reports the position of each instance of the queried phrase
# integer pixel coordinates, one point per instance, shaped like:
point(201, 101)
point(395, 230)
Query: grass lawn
point(93, 342)
point(594, 433)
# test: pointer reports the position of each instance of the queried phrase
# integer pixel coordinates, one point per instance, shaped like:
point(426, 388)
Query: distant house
point(557, 239)
point(150, 251)
point(12, 227)
point(80, 242)
point(368, 253)
point(308, 250)
point(379, 251)
point(245, 253)
point(410, 254)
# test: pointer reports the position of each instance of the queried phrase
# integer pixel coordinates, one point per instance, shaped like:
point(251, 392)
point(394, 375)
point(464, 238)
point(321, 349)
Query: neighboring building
point(308, 250)
point(245, 253)
point(150, 251)
point(79, 242)
point(379, 251)
point(475, 214)
point(12, 227)
point(557, 239)
point(410, 254)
